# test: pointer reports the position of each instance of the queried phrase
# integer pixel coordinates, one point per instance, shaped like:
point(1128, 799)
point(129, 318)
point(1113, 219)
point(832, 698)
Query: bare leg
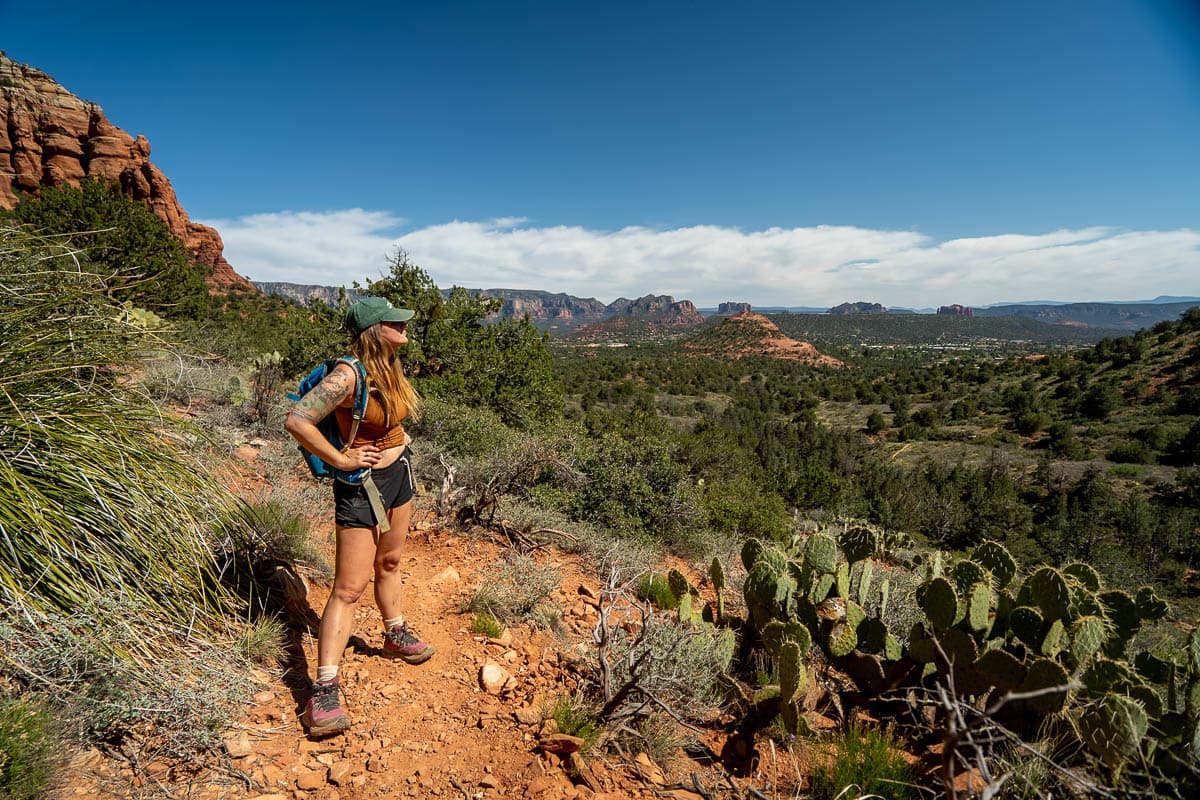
point(355, 555)
point(387, 562)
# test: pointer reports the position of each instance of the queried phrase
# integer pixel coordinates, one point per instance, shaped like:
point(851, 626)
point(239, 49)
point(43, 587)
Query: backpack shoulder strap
point(361, 395)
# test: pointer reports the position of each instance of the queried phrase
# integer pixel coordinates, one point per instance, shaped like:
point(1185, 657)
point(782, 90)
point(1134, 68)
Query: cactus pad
point(1027, 625)
point(821, 553)
point(865, 573)
point(821, 587)
point(1000, 669)
point(777, 633)
point(1104, 675)
point(843, 580)
point(750, 552)
point(1151, 667)
point(1087, 636)
point(1055, 639)
point(678, 583)
point(979, 607)
point(791, 672)
point(842, 639)
point(995, 558)
point(872, 636)
point(1085, 574)
point(920, 646)
point(892, 649)
point(1048, 590)
point(1121, 611)
point(959, 648)
point(792, 681)
point(1045, 673)
point(1149, 605)
point(858, 543)
point(968, 573)
point(1113, 728)
point(940, 603)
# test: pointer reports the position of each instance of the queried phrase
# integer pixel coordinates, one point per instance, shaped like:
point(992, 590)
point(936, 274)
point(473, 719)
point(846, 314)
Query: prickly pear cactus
point(751, 549)
point(1087, 637)
point(858, 543)
point(716, 574)
point(678, 584)
point(1047, 677)
point(821, 553)
point(777, 633)
point(843, 638)
point(1113, 728)
point(940, 603)
point(793, 680)
point(1085, 574)
point(1048, 590)
point(967, 574)
point(979, 607)
point(1001, 669)
point(995, 558)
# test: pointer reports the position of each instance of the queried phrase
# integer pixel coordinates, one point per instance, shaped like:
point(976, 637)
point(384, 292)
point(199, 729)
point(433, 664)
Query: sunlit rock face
point(49, 137)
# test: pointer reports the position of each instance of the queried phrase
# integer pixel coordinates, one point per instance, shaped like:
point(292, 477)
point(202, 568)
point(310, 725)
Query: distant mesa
point(733, 308)
point(646, 318)
point(305, 293)
point(49, 137)
point(746, 335)
point(858, 308)
point(955, 310)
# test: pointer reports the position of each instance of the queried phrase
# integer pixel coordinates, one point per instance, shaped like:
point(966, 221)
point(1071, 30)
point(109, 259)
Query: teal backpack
point(328, 426)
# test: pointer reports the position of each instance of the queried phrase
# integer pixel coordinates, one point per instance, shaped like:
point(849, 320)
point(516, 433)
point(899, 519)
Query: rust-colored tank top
point(372, 429)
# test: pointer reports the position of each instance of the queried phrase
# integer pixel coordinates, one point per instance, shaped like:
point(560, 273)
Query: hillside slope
point(746, 334)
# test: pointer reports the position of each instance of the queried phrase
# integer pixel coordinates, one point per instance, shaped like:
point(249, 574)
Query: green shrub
point(261, 641)
point(1132, 452)
point(487, 625)
point(461, 430)
point(575, 718)
point(29, 748)
point(868, 762)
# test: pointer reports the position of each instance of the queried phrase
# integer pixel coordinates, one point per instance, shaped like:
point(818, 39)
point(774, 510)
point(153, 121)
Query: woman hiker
point(372, 519)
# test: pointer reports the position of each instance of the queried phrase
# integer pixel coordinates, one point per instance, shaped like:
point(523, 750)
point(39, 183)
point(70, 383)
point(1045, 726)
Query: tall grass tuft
point(29, 749)
point(109, 593)
point(865, 763)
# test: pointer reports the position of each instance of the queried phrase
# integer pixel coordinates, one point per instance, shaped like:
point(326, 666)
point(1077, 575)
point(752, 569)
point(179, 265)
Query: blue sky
point(782, 153)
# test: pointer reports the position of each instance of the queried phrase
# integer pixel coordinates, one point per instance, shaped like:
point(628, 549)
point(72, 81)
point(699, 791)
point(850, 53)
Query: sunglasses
point(399, 326)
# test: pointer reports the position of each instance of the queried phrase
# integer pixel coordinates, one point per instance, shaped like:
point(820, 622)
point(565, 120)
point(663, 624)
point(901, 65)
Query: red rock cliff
point(49, 137)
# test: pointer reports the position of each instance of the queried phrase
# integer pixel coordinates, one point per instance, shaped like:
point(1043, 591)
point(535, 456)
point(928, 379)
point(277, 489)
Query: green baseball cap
point(373, 310)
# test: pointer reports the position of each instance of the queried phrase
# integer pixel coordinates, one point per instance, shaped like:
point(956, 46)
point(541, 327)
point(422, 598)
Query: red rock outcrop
point(748, 334)
point(49, 137)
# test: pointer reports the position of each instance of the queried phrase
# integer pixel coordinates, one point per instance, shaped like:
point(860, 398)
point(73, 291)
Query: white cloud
point(817, 266)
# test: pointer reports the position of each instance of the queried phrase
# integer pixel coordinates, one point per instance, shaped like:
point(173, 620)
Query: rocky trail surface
point(470, 724)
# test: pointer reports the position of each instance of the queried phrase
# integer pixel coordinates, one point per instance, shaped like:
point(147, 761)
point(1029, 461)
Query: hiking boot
point(323, 716)
point(400, 642)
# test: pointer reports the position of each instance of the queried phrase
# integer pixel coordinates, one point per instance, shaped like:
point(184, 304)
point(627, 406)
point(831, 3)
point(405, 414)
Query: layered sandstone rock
point(49, 137)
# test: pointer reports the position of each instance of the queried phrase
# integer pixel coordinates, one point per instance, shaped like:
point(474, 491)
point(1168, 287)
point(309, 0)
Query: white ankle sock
point(326, 674)
point(388, 624)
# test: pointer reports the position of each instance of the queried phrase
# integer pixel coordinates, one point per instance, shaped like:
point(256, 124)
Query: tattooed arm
point(335, 390)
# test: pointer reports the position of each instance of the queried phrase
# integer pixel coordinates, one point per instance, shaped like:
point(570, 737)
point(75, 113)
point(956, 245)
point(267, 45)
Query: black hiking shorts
point(352, 507)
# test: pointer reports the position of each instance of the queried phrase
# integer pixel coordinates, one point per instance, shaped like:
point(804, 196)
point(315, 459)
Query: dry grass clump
point(517, 590)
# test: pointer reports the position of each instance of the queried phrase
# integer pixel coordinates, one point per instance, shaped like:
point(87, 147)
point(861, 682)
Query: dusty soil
point(432, 730)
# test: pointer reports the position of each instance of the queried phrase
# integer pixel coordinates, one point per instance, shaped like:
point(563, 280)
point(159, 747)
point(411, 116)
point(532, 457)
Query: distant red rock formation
point(748, 334)
point(733, 308)
point(49, 137)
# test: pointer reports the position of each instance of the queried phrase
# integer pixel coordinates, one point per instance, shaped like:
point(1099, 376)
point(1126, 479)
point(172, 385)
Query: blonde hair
point(385, 374)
